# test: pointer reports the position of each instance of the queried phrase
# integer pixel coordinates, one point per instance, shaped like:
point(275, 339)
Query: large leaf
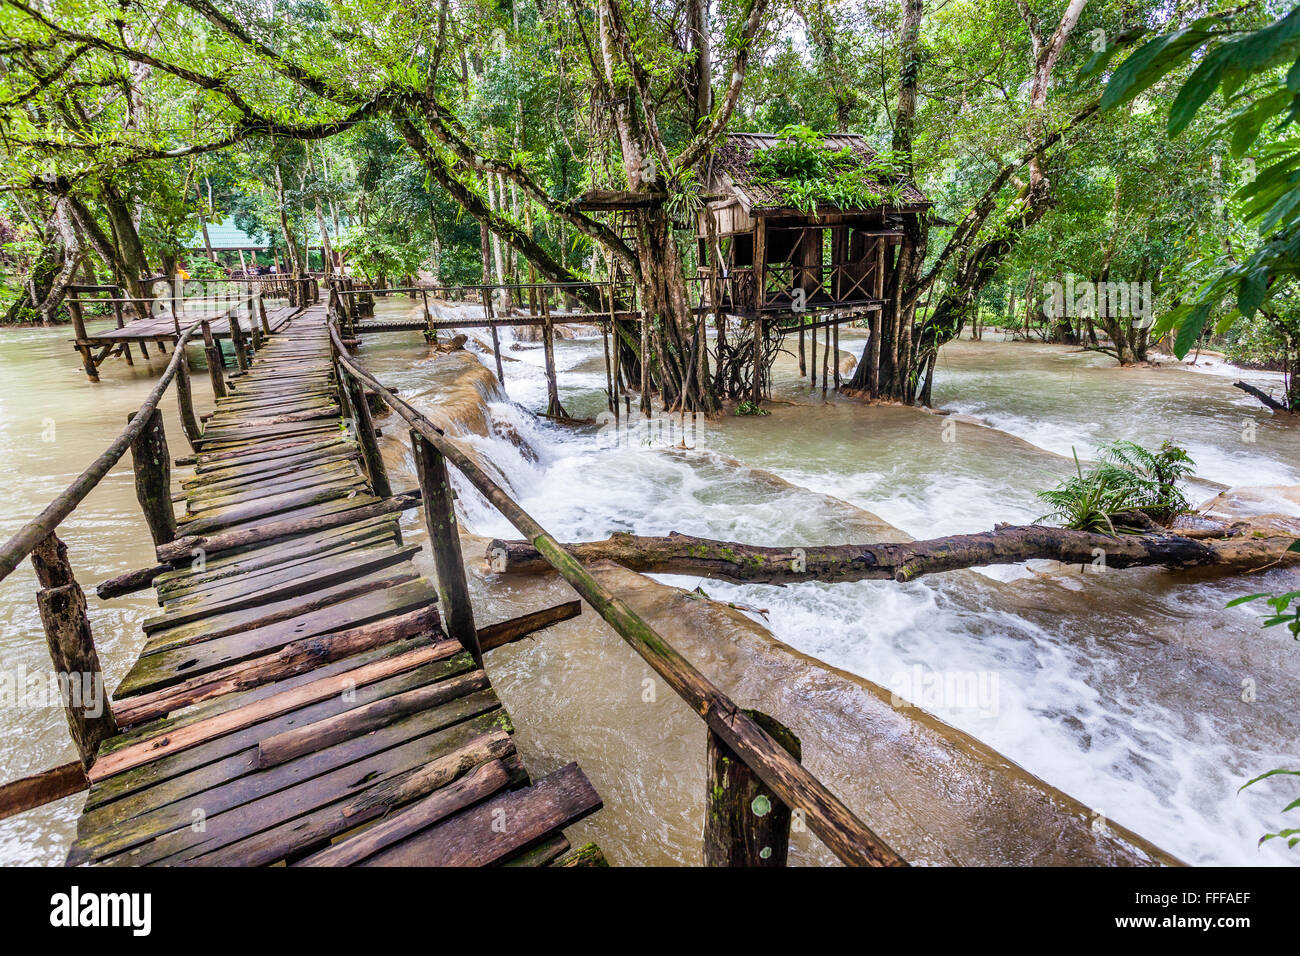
point(1153, 60)
point(1190, 329)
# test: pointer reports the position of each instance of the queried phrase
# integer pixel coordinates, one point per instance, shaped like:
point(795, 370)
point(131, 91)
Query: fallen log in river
point(1241, 546)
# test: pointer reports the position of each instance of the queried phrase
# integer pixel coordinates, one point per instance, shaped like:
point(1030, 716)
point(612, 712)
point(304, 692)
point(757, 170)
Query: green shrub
point(1129, 488)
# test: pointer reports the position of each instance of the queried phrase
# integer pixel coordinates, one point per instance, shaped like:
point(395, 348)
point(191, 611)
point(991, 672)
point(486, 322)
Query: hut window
point(743, 250)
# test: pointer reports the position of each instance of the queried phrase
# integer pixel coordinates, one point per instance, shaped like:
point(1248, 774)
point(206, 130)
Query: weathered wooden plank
point(207, 765)
point(291, 659)
point(285, 746)
point(168, 667)
point(482, 782)
point(504, 632)
point(194, 734)
point(234, 782)
point(36, 790)
point(166, 634)
point(470, 839)
point(261, 800)
point(273, 588)
point(254, 569)
point(291, 525)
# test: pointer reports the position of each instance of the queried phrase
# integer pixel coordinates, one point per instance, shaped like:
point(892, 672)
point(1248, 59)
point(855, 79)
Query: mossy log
point(1237, 547)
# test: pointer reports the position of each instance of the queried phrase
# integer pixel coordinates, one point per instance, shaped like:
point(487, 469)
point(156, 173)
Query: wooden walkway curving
point(299, 701)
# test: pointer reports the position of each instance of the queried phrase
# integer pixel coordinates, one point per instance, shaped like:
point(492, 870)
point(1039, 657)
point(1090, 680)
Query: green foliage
point(1286, 611)
point(749, 407)
point(1258, 74)
point(808, 174)
point(1290, 834)
point(1127, 480)
point(377, 252)
point(1286, 607)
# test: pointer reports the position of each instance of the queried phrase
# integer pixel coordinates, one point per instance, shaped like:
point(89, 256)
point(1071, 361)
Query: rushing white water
point(1125, 690)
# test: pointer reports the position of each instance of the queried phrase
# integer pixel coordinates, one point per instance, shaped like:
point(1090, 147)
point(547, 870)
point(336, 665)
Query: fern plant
point(1130, 486)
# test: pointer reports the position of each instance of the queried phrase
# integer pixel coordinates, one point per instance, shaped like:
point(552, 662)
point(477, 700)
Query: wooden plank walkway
point(299, 701)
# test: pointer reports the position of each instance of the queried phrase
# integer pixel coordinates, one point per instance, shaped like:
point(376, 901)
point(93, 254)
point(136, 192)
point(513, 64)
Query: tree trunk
point(1233, 548)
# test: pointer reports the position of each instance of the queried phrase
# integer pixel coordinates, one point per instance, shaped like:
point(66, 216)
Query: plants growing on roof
point(808, 174)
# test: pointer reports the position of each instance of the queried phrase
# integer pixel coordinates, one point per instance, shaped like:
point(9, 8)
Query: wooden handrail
point(17, 548)
point(847, 837)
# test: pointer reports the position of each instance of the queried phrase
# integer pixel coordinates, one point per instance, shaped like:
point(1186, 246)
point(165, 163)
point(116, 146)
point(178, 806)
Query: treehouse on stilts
point(775, 251)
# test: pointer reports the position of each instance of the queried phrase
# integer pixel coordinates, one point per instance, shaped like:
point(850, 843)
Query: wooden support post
point(444, 542)
point(213, 353)
point(760, 299)
point(237, 340)
point(185, 402)
point(617, 370)
point(153, 478)
point(610, 401)
point(83, 344)
point(745, 823)
point(803, 364)
point(430, 333)
point(836, 361)
point(126, 346)
point(365, 426)
point(826, 357)
point(489, 313)
point(72, 649)
point(261, 315)
point(553, 407)
point(254, 330)
point(812, 364)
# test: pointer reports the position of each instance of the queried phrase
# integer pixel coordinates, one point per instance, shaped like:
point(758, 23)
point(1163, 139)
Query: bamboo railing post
point(444, 541)
point(745, 824)
point(83, 344)
point(365, 426)
point(185, 402)
point(261, 314)
point(237, 340)
point(213, 352)
point(62, 605)
point(610, 401)
point(153, 478)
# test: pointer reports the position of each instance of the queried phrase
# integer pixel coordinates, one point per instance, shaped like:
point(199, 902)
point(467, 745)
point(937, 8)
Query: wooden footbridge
point(304, 695)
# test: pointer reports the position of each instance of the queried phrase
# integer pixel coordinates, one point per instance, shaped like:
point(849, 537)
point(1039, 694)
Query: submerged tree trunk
point(1232, 548)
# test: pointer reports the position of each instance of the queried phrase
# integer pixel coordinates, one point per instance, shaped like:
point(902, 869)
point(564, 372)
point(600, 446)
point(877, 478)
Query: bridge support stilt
point(153, 478)
point(444, 542)
point(62, 605)
point(746, 824)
